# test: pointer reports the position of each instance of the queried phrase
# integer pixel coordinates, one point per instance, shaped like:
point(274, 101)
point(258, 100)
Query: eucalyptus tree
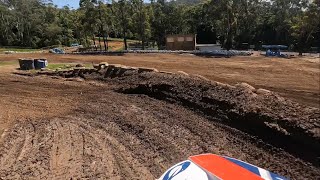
point(305, 26)
point(89, 18)
point(122, 10)
point(141, 20)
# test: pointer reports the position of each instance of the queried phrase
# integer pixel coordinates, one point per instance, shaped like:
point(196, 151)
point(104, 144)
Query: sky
point(71, 3)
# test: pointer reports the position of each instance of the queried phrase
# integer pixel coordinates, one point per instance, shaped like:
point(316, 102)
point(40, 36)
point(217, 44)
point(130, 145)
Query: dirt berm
point(134, 123)
point(274, 119)
point(259, 112)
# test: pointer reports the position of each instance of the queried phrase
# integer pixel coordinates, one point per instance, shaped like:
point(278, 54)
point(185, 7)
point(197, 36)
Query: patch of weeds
point(55, 66)
point(52, 66)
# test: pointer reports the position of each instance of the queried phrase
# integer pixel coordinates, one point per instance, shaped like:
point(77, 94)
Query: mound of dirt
point(278, 121)
point(269, 116)
point(134, 123)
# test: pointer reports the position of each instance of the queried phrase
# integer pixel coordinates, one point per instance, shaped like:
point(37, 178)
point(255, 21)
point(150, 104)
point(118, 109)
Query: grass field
point(54, 66)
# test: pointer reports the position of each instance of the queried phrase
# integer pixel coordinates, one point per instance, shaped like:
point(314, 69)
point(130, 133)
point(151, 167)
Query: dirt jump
point(119, 122)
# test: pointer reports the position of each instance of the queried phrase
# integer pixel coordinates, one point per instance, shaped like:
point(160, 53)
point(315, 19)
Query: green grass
point(51, 66)
point(54, 66)
point(57, 66)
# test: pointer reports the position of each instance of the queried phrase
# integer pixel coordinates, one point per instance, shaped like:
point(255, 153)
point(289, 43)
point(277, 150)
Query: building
point(188, 42)
point(181, 42)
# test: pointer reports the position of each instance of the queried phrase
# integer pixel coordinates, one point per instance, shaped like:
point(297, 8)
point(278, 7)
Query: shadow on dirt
point(253, 118)
point(258, 112)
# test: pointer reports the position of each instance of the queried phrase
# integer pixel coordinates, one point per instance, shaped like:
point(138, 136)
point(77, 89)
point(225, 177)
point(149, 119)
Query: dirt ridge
point(100, 132)
point(259, 112)
point(293, 127)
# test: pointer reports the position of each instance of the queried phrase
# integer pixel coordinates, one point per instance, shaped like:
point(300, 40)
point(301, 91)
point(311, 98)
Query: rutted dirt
point(136, 125)
point(297, 79)
point(255, 111)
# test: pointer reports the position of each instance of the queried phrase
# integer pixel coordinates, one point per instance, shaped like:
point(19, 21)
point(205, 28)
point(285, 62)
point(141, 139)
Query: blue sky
point(61, 3)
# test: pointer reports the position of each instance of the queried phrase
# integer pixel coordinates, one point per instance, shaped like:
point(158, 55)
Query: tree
point(168, 18)
point(122, 10)
point(89, 19)
point(158, 26)
point(305, 26)
point(141, 20)
point(39, 23)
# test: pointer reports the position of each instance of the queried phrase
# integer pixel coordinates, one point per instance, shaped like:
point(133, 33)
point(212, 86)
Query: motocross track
point(137, 126)
point(297, 78)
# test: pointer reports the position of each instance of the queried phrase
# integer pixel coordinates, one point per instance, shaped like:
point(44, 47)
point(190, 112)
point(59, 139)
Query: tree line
point(232, 23)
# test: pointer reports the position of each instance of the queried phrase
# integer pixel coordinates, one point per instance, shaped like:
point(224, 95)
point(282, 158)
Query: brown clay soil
point(136, 126)
point(297, 79)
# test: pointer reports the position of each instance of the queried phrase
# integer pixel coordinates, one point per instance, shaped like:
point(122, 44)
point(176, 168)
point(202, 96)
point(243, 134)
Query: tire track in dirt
point(74, 149)
point(108, 135)
point(64, 152)
point(154, 128)
point(114, 156)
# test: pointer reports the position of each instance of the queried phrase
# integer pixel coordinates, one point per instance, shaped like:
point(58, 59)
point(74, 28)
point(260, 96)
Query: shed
point(185, 42)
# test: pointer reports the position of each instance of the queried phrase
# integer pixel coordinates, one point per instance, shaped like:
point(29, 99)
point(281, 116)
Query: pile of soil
point(134, 123)
point(258, 112)
point(261, 113)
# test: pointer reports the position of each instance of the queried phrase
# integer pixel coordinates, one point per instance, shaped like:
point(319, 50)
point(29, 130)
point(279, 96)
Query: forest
point(232, 23)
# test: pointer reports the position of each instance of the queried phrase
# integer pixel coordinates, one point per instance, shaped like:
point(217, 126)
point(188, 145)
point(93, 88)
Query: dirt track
point(63, 129)
point(136, 127)
point(297, 79)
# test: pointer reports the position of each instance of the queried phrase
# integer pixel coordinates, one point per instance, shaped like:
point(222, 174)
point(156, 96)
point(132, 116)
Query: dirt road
point(297, 79)
point(68, 129)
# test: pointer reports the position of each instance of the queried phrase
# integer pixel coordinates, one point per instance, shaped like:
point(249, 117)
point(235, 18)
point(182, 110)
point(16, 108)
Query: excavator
point(215, 167)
